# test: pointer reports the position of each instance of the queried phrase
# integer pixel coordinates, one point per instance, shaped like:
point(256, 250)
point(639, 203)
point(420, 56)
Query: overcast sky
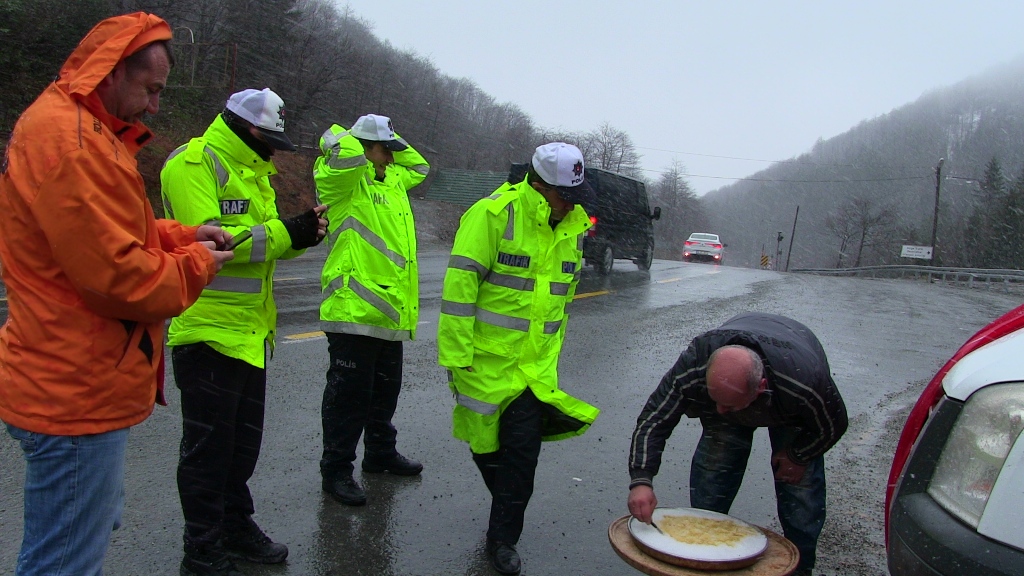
point(696, 81)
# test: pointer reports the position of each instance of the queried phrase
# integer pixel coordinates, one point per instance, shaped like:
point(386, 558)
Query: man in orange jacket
point(91, 276)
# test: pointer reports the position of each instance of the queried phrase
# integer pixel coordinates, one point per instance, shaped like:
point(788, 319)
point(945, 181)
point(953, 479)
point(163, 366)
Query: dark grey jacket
point(800, 392)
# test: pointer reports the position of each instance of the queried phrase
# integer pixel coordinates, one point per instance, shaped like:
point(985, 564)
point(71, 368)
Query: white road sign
point(922, 252)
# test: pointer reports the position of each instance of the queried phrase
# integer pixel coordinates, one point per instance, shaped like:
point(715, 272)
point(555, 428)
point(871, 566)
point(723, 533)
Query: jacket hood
point(105, 45)
point(220, 136)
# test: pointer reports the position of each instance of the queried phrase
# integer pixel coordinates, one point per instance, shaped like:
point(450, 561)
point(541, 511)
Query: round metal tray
point(780, 558)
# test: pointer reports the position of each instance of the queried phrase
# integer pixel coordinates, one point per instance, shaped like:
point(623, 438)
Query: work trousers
point(222, 404)
point(717, 471)
point(363, 383)
point(509, 472)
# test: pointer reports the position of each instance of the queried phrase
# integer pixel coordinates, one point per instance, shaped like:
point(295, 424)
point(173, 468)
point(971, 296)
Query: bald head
point(735, 378)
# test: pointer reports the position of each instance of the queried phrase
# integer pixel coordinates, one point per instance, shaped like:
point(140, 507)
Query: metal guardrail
point(970, 277)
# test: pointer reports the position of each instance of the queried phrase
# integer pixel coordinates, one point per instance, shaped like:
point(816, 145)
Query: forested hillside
point(327, 64)
point(864, 193)
point(861, 194)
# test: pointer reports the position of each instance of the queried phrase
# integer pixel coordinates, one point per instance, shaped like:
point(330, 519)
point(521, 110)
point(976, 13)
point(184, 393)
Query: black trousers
point(363, 383)
point(222, 401)
point(509, 472)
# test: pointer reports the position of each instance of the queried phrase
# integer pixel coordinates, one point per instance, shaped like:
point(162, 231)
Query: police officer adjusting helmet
point(377, 128)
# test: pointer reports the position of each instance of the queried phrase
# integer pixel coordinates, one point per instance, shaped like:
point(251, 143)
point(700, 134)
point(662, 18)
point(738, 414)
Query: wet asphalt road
point(884, 340)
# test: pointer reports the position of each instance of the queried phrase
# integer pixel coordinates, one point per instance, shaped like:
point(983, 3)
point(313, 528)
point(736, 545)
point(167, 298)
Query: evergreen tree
point(981, 237)
point(1008, 243)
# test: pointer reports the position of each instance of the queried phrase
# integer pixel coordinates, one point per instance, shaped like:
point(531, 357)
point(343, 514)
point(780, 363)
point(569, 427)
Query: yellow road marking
point(320, 334)
point(305, 335)
point(668, 280)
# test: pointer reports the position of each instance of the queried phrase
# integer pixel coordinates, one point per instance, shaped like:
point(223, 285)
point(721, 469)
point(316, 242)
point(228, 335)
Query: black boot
point(243, 539)
point(504, 557)
point(346, 490)
point(213, 561)
point(397, 464)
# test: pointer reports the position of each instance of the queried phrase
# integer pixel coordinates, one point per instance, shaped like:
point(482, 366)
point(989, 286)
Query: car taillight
point(977, 446)
point(593, 228)
point(689, 243)
point(716, 246)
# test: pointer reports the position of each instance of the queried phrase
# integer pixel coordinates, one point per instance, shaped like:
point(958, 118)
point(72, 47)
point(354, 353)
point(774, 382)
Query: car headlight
point(991, 421)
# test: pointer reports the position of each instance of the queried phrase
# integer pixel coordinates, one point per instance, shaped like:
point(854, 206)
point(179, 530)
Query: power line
point(712, 155)
point(831, 181)
point(791, 160)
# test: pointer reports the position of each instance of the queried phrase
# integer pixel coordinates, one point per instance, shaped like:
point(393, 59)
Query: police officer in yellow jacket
point(514, 267)
point(219, 344)
point(370, 296)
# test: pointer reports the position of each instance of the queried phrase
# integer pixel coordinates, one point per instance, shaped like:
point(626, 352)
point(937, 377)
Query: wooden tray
point(779, 559)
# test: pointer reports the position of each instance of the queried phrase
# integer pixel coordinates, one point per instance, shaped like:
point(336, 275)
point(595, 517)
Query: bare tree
point(612, 149)
point(681, 211)
point(840, 225)
point(861, 221)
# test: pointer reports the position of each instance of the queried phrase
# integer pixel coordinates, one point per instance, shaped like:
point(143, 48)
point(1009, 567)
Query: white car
point(703, 246)
point(957, 480)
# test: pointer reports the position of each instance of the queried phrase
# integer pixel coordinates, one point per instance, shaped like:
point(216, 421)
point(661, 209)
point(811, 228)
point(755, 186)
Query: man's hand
point(321, 229)
point(306, 229)
point(786, 471)
point(642, 503)
point(219, 256)
point(215, 234)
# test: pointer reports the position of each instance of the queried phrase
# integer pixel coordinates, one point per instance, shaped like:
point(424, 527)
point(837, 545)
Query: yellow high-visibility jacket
point(370, 279)
point(503, 313)
point(218, 179)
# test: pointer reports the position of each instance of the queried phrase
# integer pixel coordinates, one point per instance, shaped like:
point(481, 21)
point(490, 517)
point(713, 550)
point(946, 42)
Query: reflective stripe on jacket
point(218, 179)
point(370, 279)
point(91, 276)
point(503, 313)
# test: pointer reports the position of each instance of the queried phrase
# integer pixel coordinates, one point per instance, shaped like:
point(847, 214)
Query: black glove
point(302, 229)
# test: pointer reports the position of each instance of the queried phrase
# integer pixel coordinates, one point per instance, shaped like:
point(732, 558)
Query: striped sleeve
point(818, 405)
point(660, 415)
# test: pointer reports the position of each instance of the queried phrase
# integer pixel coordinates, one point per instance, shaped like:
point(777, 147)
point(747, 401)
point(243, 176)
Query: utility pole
point(935, 217)
point(792, 236)
point(778, 250)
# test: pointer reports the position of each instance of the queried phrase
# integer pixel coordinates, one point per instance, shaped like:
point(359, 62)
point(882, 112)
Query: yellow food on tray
point(705, 531)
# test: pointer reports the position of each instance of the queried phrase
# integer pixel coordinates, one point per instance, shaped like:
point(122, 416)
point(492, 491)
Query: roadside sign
point(920, 252)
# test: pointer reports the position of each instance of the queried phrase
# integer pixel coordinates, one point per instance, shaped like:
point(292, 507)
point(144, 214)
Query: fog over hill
point(880, 178)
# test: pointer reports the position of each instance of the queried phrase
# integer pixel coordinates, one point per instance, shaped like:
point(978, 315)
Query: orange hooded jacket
point(91, 275)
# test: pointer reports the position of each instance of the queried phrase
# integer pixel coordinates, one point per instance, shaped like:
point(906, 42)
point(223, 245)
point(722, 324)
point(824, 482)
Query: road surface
point(884, 339)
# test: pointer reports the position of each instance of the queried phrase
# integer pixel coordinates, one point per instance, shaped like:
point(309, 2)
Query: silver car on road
point(703, 246)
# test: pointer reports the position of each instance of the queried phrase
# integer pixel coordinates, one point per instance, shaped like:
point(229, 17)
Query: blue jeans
point(74, 496)
point(717, 471)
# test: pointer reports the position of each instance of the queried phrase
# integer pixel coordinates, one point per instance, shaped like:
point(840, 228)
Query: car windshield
point(704, 237)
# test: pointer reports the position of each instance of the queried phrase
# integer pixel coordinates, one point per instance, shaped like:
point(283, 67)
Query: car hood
point(1001, 360)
